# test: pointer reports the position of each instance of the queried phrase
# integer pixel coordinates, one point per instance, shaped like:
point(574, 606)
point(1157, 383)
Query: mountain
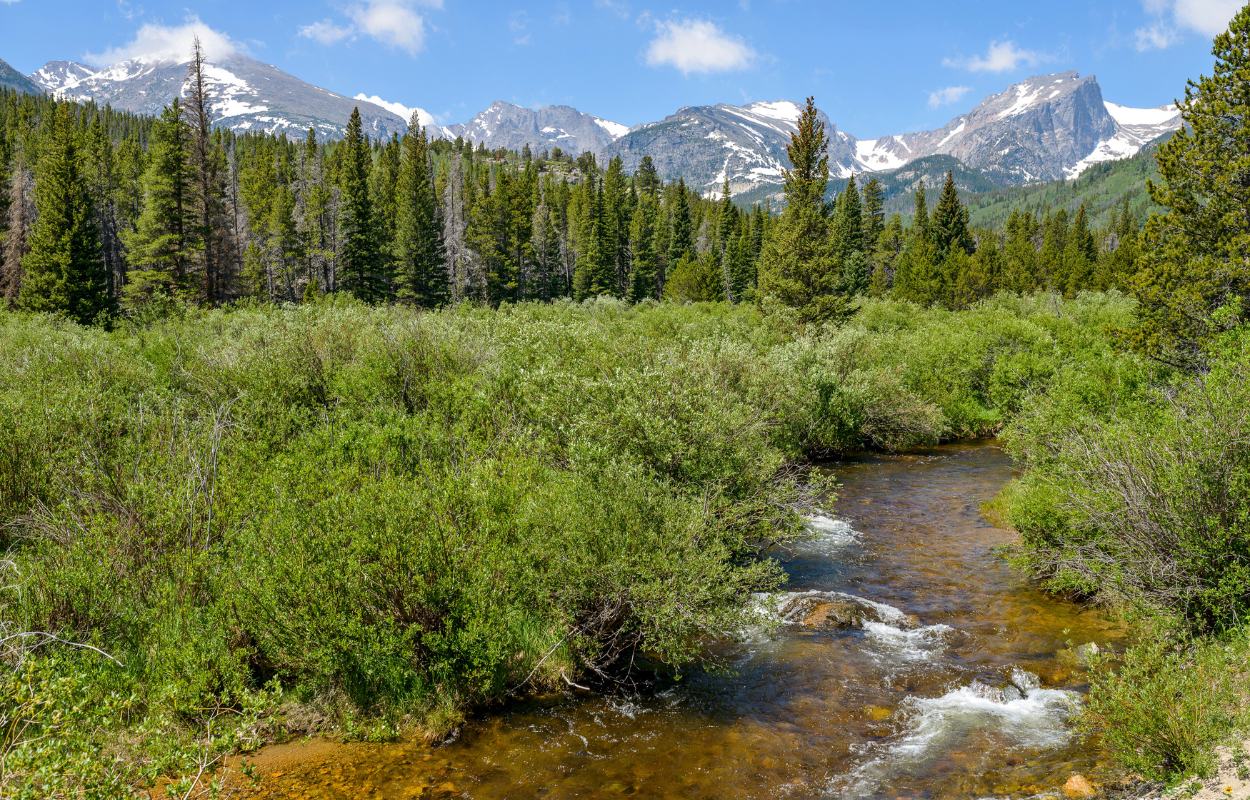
point(1036, 130)
point(12, 79)
point(247, 94)
point(512, 127)
point(704, 144)
point(1045, 128)
point(1099, 188)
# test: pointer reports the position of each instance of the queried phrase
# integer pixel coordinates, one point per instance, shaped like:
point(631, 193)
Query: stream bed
point(954, 680)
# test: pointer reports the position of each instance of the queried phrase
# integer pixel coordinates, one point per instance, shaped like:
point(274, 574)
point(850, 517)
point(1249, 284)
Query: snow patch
point(954, 133)
point(1163, 115)
point(400, 110)
point(615, 129)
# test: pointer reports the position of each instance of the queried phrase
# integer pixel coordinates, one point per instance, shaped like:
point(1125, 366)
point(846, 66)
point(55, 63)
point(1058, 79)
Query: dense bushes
point(1145, 501)
point(397, 513)
point(1137, 495)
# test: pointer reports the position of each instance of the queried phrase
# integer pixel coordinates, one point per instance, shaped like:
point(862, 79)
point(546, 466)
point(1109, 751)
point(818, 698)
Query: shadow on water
point(951, 684)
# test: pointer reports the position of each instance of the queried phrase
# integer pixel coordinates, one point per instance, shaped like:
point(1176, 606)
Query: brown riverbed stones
point(1078, 787)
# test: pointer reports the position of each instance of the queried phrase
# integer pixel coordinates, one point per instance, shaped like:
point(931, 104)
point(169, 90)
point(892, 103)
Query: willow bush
point(397, 514)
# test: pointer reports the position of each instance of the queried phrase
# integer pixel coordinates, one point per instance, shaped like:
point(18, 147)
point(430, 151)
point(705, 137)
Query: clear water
point(954, 686)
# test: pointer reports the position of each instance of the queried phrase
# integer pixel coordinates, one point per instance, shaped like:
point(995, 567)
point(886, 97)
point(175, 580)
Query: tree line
point(106, 212)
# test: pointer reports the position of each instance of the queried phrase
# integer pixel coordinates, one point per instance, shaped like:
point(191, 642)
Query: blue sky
point(875, 68)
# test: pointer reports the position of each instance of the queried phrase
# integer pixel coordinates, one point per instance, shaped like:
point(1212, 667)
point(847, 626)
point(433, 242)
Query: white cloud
point(1156, 37)
point(1207, 17)
point(156, 42)
point(391, 22)
point(325, 32)
point(944, 97)
point(1001, 57)
point(10, 2)
point(695, 45)
point(401, 110)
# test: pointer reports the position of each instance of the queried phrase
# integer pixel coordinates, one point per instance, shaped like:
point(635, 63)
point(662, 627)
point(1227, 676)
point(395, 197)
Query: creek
point(954, 680)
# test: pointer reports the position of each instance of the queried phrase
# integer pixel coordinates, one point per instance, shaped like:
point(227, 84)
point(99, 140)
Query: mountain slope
point(247, 94)
point(1100, 188)
point(512, 127)
point(1041, 129)
point(706, 144)
point(12, 79)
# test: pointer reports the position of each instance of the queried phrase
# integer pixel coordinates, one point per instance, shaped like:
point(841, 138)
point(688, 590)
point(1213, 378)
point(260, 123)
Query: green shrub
point(1167, 707)
point(397, 514)
point(1141, 497)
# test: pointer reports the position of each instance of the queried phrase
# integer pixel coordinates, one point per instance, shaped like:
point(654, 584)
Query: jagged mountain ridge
point(248, 95)
point(512, 127)
point(1045, 128)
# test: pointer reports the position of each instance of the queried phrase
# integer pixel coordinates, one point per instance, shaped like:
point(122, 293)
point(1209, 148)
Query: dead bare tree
point(206, 163)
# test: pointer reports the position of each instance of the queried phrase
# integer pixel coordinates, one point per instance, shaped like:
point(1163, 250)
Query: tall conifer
point(358, 265)
point(420, 262)
point(65, 271)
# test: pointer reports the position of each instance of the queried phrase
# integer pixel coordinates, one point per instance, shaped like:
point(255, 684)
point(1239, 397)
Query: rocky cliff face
point(1042, 129)
point(512, 127)
point(247, 94)
point(705, 144)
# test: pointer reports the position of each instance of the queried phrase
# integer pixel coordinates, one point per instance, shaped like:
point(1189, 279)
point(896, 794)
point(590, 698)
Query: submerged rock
point(834, 615)
point(1078, 787)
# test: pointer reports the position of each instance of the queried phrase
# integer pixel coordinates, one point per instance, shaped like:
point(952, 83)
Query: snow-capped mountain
point(247, 94)
point(704, 144)
point(1045, 128)
point(512, 127)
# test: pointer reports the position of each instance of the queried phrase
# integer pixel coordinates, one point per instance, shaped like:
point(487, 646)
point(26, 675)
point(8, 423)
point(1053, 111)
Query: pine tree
point(1055, 242)
point(849, 222)
point(101, 171)
point(726, 241)
point(646, 178)
point(1193, 273)
point(874, 214)
point(164, 240)
point(920, 218)
point(643, 273)
point(1080, 255)
point(358, 266)
point(420, 262)
point(64, 268)
point(592, 276)
point(798, 266)
point(681, 240)
point(949, 226)
point(383, 197)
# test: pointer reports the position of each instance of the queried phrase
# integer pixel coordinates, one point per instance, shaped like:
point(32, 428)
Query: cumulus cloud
point(695, 45)
point(1207, 17)
point(155, 42)
point(944, 97)
point(399, 109)
point(391, 22)
point(1001, 57)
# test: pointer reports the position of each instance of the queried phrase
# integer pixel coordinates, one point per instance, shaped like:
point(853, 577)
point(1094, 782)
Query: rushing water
point(953, 684)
